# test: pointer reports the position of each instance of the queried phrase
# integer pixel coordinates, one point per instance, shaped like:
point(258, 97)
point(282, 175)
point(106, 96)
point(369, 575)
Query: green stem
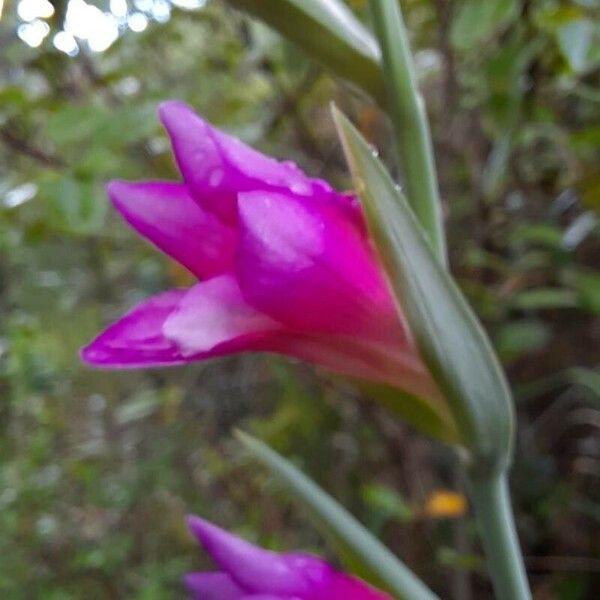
point(407, 111)
point(491, 502)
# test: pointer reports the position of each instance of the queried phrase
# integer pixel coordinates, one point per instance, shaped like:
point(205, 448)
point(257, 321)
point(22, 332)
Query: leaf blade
point(328, 31)
point(361, 544)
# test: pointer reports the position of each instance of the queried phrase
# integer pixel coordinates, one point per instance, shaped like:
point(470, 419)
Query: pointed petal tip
point(170, 111)
point(168, 105)
point(204, 531)
point(116, 189)
point(230, 552)
point(86, 354)
point(192, 521)
point(93, 354)
point(96, 355)
point(136, 340)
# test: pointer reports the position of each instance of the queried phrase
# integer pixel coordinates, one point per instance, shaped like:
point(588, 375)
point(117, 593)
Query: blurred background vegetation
point(97, 469)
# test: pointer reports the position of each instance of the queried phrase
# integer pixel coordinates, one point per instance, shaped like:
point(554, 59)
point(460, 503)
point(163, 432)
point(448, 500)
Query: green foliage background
point(97, 469)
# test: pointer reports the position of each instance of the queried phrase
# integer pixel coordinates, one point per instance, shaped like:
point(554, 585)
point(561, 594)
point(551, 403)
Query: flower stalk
point(407, 111)
point(491, 501)
point(488, 487)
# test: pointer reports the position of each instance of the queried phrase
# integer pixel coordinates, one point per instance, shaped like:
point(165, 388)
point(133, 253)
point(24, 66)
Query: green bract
point(450, 338)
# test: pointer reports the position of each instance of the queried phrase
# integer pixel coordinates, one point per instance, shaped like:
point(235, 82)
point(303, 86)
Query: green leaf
point(539, 234)
point(587, 285)
point(126, 125)
point(477, 20)
point(575, 39)
point(74, 206)
point(521, 337)
point(449, 557)
point(388, 502)
point(114, 129)
point(138, 408)
point(340, 525)
point(545, 299)
point(587, 380)
point(451, 340)
point(76, 124)
point(328, 31)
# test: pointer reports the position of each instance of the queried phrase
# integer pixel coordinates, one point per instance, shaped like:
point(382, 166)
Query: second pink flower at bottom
point(247, 572)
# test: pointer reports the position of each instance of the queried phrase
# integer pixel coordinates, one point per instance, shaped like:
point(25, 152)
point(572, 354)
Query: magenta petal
point(210, 319)
point(213, 319)
point(214, 314)
point(217, 166)
point(399, 367)
point(268, 597)
point(323, 582)
point(271, 597)
point(166, 214)
point(337, 585)
point(254, 569)
point(266, 575)
point(307, 265)
point(213, 586)
point(137, 339)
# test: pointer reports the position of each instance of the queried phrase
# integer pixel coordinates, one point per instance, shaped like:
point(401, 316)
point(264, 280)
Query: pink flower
point(251, 573)
point(283, 261)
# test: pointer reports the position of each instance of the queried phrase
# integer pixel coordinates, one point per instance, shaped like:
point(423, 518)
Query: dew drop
point(297, 187)
point(216, 177)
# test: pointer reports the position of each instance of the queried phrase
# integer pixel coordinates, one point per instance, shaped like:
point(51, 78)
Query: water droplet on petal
point(297, 187)
point(216, 177)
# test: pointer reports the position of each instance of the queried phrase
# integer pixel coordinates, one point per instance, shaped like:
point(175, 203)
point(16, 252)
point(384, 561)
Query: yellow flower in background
point(445, 504)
